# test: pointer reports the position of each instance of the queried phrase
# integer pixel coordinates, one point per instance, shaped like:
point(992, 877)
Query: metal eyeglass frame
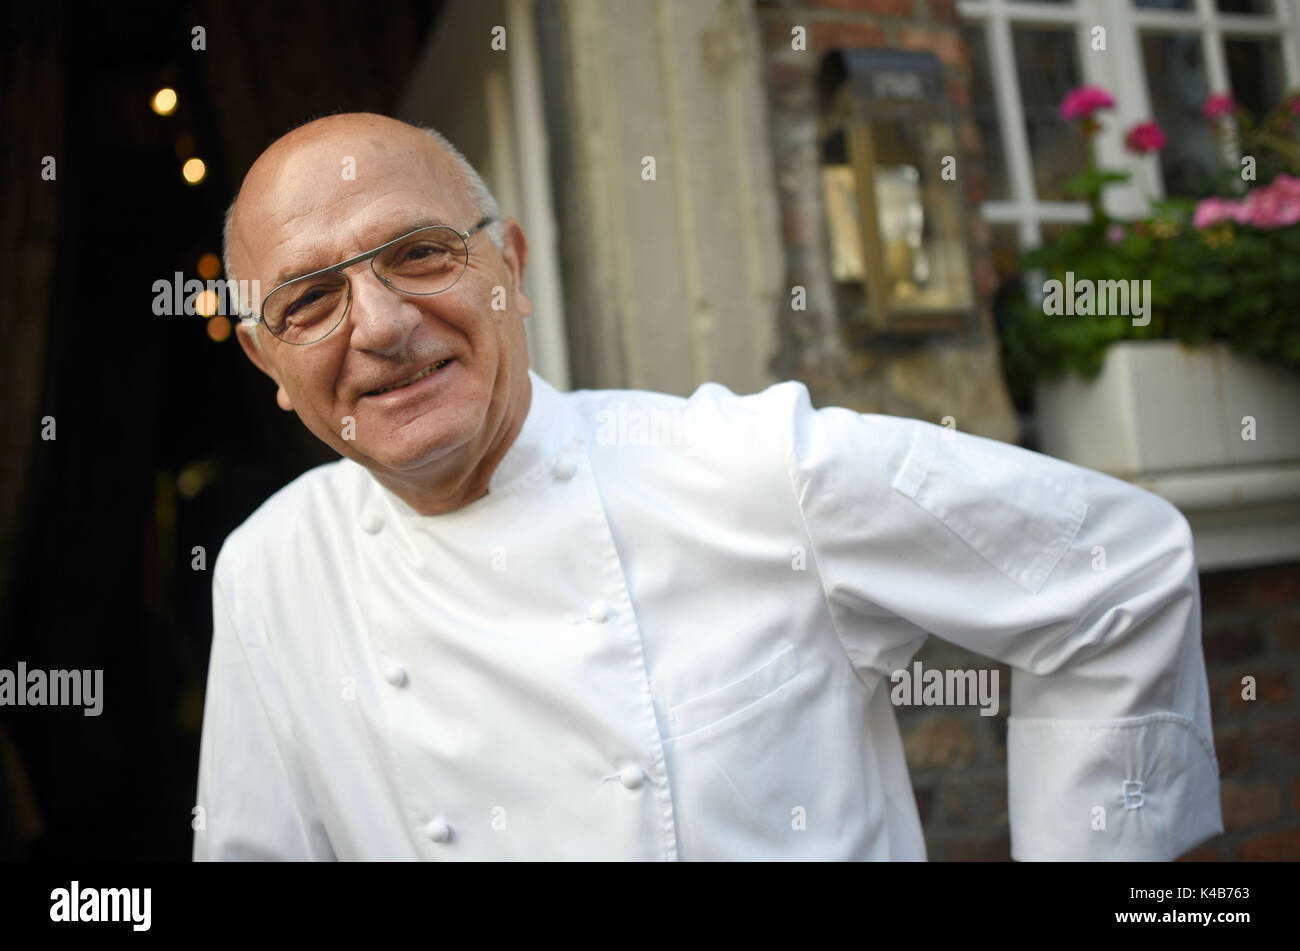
point(250, 320)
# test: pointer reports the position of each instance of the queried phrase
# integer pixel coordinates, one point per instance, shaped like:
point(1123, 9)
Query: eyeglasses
point(426, 261)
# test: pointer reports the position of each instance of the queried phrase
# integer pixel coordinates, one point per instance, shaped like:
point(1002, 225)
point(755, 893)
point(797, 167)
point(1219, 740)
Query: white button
point(564, 469)
point(438, 829)
point(599, 612)
point(395, 675)
point(372, 524)
point(632, 777)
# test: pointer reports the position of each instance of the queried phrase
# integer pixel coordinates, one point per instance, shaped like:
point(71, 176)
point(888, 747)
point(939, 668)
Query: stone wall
point(931, 377)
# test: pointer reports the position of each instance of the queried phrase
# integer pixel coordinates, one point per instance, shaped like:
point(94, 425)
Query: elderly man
point(516, 623)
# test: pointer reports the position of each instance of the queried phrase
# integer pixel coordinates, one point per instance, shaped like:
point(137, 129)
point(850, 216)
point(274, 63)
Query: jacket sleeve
point(1084, 584)
point(253, 799)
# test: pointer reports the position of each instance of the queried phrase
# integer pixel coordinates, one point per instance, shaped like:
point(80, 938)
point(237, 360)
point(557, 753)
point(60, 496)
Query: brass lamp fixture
point(894, 201)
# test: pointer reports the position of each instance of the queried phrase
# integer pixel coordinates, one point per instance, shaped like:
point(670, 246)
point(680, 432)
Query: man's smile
point(401, 384)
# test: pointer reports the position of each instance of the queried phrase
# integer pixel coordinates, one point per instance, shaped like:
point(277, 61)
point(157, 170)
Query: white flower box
point(1160, 405)
point(1176, 420)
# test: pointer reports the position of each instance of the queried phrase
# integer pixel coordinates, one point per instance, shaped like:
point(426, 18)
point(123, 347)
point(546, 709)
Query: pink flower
point(1084, 101)
point(1220, 104)
point(1287, 185)
point(1276, 205)
point(1210, 211)
point(1114, 234)
point(1145, 137)
point(1259, 210)
point(1295, 106)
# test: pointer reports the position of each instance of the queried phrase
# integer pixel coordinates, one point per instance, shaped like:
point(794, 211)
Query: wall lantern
point(900, 259)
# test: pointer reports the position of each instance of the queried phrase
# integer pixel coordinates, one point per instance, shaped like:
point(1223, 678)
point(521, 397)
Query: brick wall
point(958, 762)
point(1251, 622)
point(1252, 629)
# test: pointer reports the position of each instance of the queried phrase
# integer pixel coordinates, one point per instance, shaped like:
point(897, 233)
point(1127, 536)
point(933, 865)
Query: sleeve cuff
point(1132, 789)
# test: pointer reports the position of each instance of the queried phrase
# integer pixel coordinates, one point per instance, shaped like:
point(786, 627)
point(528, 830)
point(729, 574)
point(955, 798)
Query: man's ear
point(514, 251)
point(254, 353)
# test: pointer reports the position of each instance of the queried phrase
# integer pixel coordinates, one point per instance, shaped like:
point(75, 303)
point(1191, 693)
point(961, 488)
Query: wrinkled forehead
point(326, 201)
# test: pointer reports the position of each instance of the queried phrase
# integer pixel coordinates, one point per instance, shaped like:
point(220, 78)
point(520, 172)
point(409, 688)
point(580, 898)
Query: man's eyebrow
point(288, 274)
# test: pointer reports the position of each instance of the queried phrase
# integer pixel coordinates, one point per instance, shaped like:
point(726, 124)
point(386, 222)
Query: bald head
point(291, 163)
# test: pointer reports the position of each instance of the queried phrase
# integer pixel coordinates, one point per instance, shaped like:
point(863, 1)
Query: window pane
point(840, 193)
point(921, 233)
point(1047, 66)
point(1245, 6)
point(1175, 75)
point(1255, 72)
point(1164, 4)
point(984, 108)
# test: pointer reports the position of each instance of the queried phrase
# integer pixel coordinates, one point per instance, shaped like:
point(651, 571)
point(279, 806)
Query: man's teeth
point(417, 376)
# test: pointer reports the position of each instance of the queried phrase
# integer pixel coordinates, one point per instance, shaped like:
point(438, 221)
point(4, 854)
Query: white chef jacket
point(667, 632)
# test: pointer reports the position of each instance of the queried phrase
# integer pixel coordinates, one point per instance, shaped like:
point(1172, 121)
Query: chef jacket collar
point(547, 429)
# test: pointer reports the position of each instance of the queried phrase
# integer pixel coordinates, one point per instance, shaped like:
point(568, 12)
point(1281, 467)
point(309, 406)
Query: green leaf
point(1091, 182)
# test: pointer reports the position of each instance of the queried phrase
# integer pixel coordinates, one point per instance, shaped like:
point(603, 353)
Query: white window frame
point(1124, 25)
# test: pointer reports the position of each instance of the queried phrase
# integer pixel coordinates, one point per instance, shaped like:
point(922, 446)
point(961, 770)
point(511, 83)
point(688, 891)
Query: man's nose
point(382, 319)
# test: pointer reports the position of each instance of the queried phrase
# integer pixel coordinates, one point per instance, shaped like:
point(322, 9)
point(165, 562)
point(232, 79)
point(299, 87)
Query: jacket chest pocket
point(732, 699)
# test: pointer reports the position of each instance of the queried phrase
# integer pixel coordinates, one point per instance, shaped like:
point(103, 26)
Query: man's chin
point(405, 455)
point(386, 460)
